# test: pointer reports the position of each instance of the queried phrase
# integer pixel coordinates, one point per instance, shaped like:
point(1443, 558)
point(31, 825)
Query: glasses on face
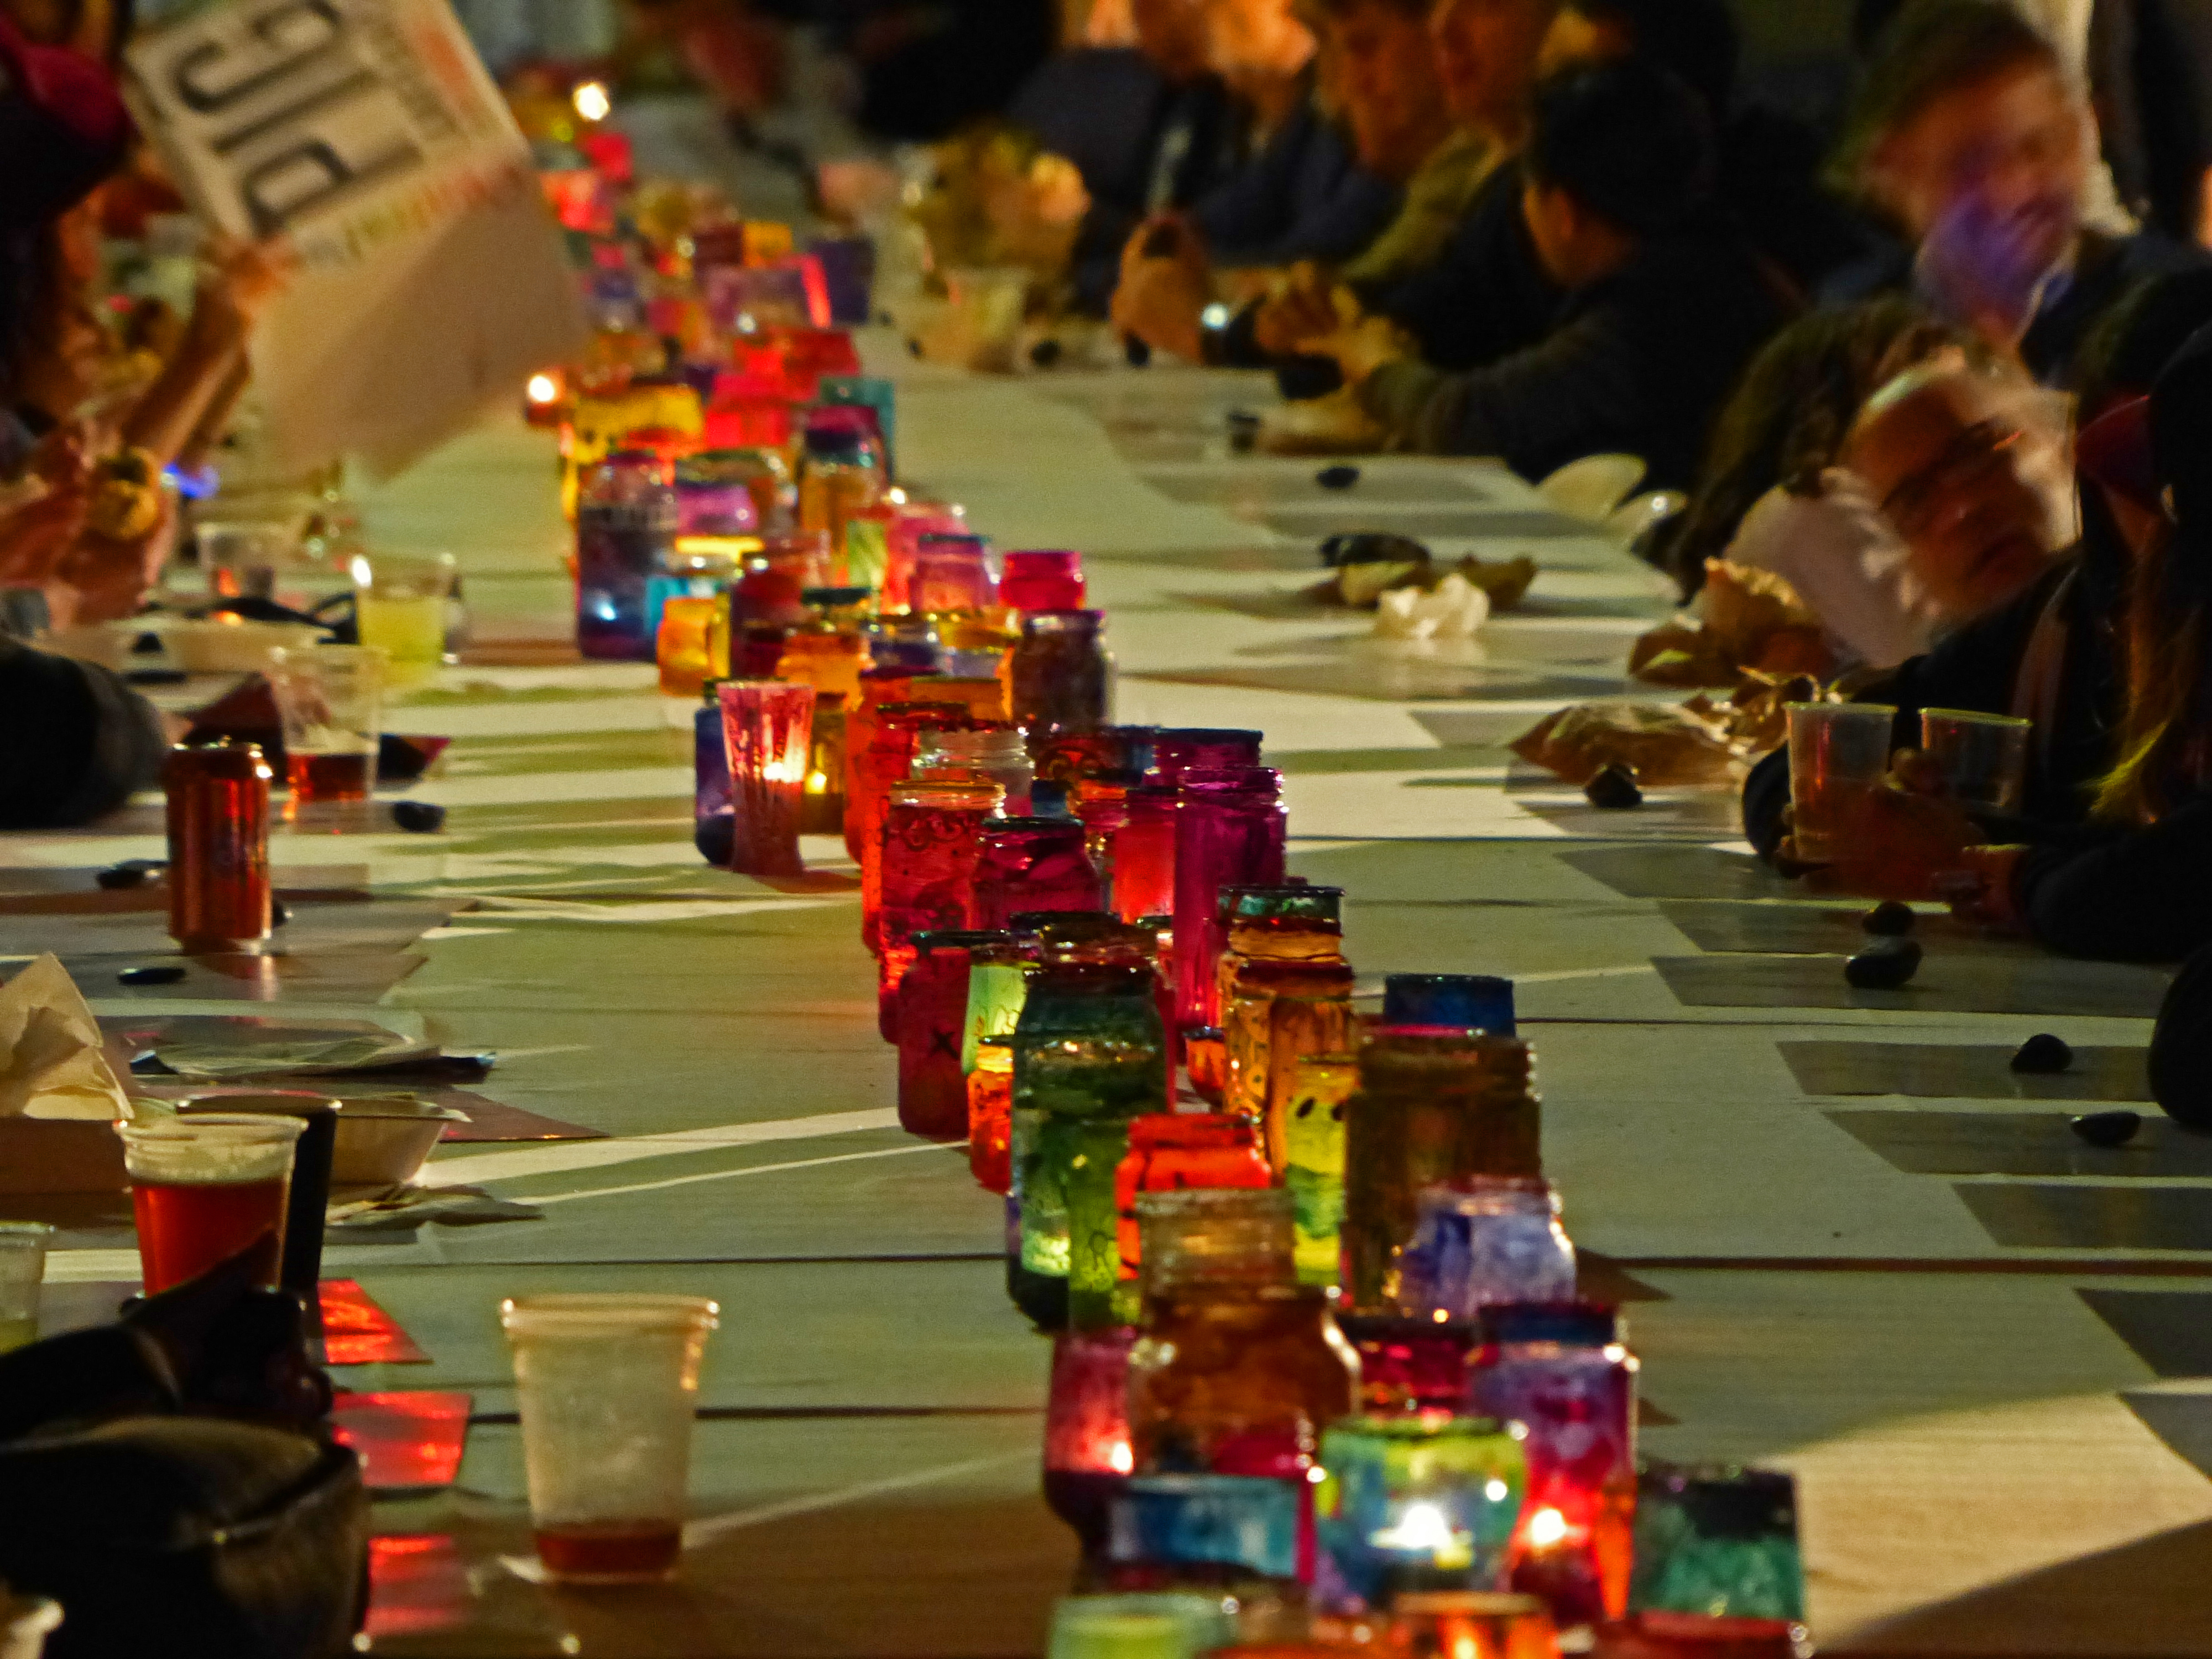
point(1967, 460)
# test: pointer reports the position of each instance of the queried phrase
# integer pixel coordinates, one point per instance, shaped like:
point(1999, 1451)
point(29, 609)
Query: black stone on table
point(1889, 919)
point(131, 872)
point(419, 818)
point(2106, 1128)
point(1340, 477)
point(1884, 965)
point(160, 973)
point(1613, 788)
point(2042, 1056)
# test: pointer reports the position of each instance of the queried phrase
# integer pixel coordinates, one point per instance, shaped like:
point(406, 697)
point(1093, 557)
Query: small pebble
point(1889, 919)
point(2042, 1056)
point(1337, 478)
point(166, 973)
point(1135, 351)
point(1045, 353)
point(131, 872)
point(1613, 788)
point(1884, 965)
point(913, 347)
point(279, 913)
point(2106, 1128)
point(146, 645)
point(419, 817)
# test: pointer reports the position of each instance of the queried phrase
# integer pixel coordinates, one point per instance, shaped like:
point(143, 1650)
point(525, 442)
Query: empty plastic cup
point(606, 1383)
point(1983, 757)
point(22, 1268)
point(1838, 753)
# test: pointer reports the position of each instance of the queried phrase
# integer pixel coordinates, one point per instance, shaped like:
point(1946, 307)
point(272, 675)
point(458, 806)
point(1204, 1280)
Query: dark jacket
point(1141, 143)
point(2150, 76)
point(2108, 269)
point(1304, 196)
point(1637, 361)
point(74, 740)
point(1487, 297)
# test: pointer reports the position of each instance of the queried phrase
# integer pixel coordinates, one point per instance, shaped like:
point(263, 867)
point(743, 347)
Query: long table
point(1849, 1240)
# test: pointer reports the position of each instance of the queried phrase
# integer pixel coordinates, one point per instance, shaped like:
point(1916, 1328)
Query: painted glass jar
point(1485, 1239)
point(1032, 864)
point(1061, 678)
point(932, 1004)
point(933, 837)
point(1230, 829)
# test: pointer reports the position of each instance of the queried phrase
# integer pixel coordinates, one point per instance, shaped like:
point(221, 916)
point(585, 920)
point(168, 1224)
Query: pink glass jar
point(1086, 1428)
point(931, 839)
point(1043, 580)
point(1179, 748)
point(889, 758)
point(902, 545)
point(951, 573)
point(1032, 864)
point(933, 1007)
point(1229, 832)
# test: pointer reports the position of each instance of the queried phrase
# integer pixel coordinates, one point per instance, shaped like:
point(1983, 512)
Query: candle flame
point(592, 102)
point(1546, 1527)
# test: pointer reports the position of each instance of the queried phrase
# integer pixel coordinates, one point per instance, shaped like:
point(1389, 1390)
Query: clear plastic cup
point(1838, 753)
point(22, 1268)
point(606, 1383)
point(244, 557)
point(330, 698)
point(1983, 757)
point(207, 1187)
point(403, 607)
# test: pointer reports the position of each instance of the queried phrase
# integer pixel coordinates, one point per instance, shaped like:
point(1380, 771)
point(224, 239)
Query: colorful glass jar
point(1313, 1159)
point(1086, 1429)
point(909, 643)
point(990, 1107)
point(1060, 677)
point(1485, 1239)
point(1472, 1002)
point(1222, 1238)
point(1037, 1225)
point(712, 812)
point(952, 573)
point(757, 649)
point(932, 1006)
point(714, 494)
point(1433, 1106)
point(681, 646)
point(1171, 1151)
point(625, 531)
point(1229, 830)
point(1145, 852)
point(1227, 1531)
point(879, 688)
point(999, 973)
point(1179, 748)
point(933, 837)
point(1090, 1054)
point(1284, 945)
point(767, 725)
point(1716, 1554)
point(982, 696)
point(1560, 1369)
point(1032, 864)
point(986, 751)
point(1470, 1624)
point(1205, 1055)
point(825, 658)
point(823, 813)
point(885, 766)
point(1418, 1503)
point(1410, 1364)
point(1070, 755)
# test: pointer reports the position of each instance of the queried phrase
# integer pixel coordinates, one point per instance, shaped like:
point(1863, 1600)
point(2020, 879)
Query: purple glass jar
point(1179, 748)
point(714, 816)
point(1560, 1369)
point(1032, 864)
point(1230, 829)
point(1061, 676)
point(625, 531)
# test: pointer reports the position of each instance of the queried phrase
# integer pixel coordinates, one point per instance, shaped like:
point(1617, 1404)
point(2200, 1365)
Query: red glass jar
point(1170, 1152)
point(889, 759)
point(933, 836)
point(1061, 676)
point(1179, 748)
point(1229, 832)
point(1144, 853)
point(1410, 1366)
point(218, 818)
point(879, 687)
point(1040, 580)
point(931, 1004)
point(755, 649)
point(1032, 864)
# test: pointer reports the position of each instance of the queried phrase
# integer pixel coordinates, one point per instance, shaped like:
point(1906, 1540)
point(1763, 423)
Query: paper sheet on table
point(366, 134)
point(50, 1060)
point(309, 1053)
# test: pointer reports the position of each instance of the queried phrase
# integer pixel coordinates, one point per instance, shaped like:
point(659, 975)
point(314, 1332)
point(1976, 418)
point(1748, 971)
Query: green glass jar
point(1090, 1054)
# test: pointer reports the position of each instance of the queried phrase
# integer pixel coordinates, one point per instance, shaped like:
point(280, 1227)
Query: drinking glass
point(207, 1187)
point(22, 1268)
point(1839, 752)
point(330, 700)
point(607, 1381)
point(1984, 756)
point(242, 556)
point(400, 605)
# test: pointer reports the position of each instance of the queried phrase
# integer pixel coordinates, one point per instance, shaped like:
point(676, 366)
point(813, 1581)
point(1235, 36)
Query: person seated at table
point(1949, 496)
point(1381, 67)
point(1771, 479)
point(1147, 126)
point(2054, 653)
point(1969, 139)
point(1665, 302)
point(1769, 163)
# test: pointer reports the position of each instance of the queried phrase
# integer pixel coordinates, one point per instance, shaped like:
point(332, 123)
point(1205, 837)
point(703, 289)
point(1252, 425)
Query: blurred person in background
point(1971, 141)
point(1665, 302)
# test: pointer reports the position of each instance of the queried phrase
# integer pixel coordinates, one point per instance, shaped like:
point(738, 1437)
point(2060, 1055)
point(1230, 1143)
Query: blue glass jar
point(714, 814)
point(1482, 1240)
point(1470, 1002)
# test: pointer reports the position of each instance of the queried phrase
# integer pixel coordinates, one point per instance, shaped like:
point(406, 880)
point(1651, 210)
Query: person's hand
point(1162, 291)
point(1988, 268)
point(237, 282)
point(1898, 840)
point(101, 578)
point(1305, 307)
point(1981, 891)
point(1362, 348)
point(40, 519)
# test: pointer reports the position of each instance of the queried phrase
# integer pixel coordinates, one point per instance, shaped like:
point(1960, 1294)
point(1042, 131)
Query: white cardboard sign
point(364, 134)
